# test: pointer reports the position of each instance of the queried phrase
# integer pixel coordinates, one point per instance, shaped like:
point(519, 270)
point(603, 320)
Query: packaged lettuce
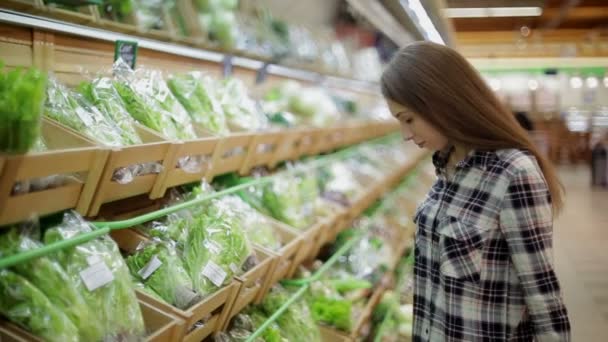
point(158, 267)
point(50, 278)
point(25, 305)
point(22, 96)
point(296, 323)
point(222, 254)
point(74, 111)
point(241, 111)
point(197, 93)
point(258, 228)
point(283, 200)
point(100, 273)
point(137, 90)
point(102, 94)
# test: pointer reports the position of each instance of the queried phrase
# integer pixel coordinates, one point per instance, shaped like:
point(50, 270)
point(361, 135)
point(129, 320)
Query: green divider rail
point(105, 227)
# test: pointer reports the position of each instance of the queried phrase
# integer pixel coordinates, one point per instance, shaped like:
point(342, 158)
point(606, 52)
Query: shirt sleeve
point(526, 220)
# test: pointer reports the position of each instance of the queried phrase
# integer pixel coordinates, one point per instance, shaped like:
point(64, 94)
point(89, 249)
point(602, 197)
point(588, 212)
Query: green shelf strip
point(15, 259)
point(305, 284)
point(105, 227)
point(278, 313)
point(332, 260)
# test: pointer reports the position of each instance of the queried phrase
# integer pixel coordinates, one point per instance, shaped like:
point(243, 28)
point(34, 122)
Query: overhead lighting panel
point(422, 20)
point(484, 12)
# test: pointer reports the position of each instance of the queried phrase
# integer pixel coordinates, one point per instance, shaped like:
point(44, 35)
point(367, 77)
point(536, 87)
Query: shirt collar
point(475, 158)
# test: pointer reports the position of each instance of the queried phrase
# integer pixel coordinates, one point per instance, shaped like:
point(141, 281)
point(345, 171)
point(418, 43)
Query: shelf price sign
point(127, 51)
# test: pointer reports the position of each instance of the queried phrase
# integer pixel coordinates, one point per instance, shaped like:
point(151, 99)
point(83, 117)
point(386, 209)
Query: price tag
point(127, 51)
point(234, 268)
point(214, 273)
point(96, 276)
point(149, 268)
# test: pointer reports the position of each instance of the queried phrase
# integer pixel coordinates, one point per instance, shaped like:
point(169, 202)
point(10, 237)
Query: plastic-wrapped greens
point(159, 267)
point(197, 93)
point(22, 96)
point(74, 111)
point(282, 198)
point(100, 273)
point(48, 276)
point(241, 111)
point(222, 254)
point(24, 304)
point(258, 228)
point(102, 94)
point(296, 323)
point(139, 91)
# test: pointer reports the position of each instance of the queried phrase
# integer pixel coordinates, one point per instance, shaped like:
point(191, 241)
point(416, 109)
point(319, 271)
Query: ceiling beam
point(494, 37)
point(566, 7)
point(578, 13)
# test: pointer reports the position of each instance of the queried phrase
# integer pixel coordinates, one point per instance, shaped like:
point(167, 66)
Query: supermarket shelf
point(242, 290)
point(207, 54)
point(99, 188)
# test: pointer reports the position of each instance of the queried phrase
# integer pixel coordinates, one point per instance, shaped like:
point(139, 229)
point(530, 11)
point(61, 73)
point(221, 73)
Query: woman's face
point(417, 129)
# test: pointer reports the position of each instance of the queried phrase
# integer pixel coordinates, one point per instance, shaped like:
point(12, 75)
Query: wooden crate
point(175, 175)
point(154, 149)
point(68, 153)
point(287, 255)
point(29, 6)
point(262, 151)
point(230, 154)
point(338, 224)
point(252, 283)
point(329, 334)
point(213, 310)
point(309, 141)
point(311, 240)
point(289, 147)
point(160, 327)
point(84, 14)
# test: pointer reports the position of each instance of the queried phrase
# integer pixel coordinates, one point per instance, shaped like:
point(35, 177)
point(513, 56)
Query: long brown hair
point(438, 83)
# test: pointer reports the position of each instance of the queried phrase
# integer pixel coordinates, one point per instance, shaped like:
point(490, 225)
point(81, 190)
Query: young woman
point(484, 266)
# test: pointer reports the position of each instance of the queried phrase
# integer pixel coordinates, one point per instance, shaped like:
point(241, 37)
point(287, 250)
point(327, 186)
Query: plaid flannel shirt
point(484, 264)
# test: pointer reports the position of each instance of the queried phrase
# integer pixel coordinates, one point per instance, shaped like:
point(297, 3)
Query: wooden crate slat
point(139, 185)
point(21, 207)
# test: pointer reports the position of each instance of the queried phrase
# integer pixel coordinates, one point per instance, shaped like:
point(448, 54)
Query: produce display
point(295, 324)
point(22, 96)
point(79, 293)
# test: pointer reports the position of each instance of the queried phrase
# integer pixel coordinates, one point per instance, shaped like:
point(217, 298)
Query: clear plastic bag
point(100, 273)
point(197, 93)
point(157, 265)
point(50, 278)
point(241, 111)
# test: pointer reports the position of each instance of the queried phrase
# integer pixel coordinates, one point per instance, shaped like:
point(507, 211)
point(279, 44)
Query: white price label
point(214, 273)
point(96, 275)
point(234, 268)
point(93, 259)
point(150, 267)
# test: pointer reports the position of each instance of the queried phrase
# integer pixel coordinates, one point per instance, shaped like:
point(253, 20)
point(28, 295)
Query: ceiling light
point(482, 12)
point(576, 82)
point(592, 82)
point(415, 10)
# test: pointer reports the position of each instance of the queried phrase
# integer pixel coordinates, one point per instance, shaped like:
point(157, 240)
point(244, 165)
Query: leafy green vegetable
point(332, 311)
point(296, 323)
point(22, 96)
point(240, 110)
point(54, 282)
point(169, 279)
point(114, 302)
point(24, 304)
point(102, 94)
point(196, 93)
point(282, 199)
point(74, 111)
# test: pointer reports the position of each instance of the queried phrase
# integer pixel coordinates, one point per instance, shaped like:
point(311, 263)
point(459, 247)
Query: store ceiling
point(564, 28)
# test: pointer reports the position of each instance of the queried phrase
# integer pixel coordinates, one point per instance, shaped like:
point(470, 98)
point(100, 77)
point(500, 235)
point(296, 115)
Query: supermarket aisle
point(581, 237)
